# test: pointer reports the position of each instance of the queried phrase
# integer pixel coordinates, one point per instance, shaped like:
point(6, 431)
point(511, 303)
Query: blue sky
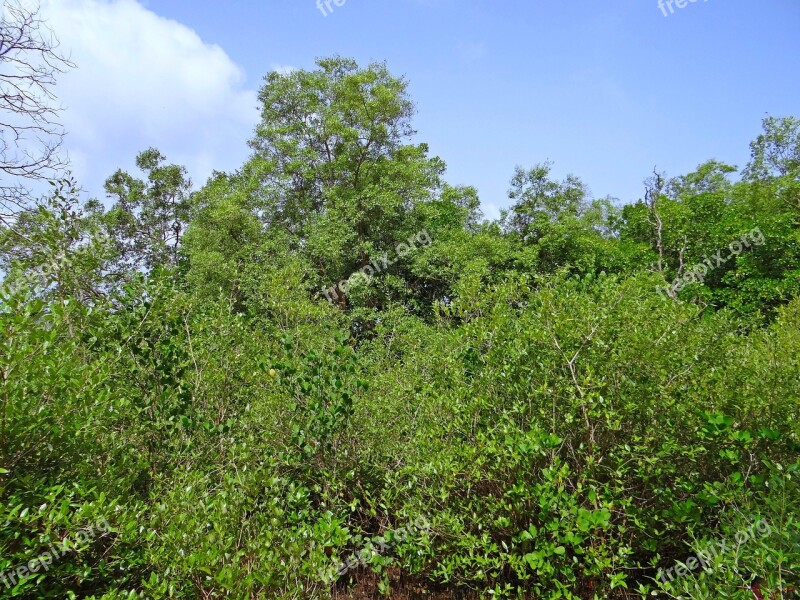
point(605, 90)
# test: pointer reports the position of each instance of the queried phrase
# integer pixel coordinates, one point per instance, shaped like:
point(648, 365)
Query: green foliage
point(147, 219)
point(510, 408)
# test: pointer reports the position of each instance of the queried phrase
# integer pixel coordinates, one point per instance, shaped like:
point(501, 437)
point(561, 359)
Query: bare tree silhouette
point(30, 132)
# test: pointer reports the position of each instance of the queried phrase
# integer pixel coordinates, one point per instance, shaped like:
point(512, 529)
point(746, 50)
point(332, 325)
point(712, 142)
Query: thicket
point(517, 407)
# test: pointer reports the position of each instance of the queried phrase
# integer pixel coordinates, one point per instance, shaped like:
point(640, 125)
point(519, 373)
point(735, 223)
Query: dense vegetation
point(329, 356)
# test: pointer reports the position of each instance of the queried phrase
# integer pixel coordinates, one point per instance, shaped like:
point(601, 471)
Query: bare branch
point(654, 187)
point(30, 132)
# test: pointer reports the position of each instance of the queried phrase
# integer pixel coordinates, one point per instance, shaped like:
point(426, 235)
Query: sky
point(606, 90)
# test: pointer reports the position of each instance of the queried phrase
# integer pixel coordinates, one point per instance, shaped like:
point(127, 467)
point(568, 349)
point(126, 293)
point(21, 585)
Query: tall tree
point(776, 152)
point(148, 219)
point(339, 174)
point(540, 200)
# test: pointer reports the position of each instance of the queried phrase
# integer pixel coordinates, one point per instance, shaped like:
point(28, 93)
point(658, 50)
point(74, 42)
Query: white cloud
point(144, 80)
